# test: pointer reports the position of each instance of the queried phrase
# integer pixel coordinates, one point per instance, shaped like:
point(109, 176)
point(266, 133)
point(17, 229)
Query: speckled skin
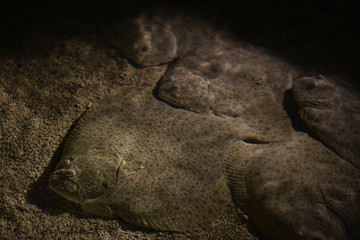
point(291, 190)
point(213, 73)
point(135, 157)
point(224, 77)
point(332, 113)
point(157, 36)
point(296, 189)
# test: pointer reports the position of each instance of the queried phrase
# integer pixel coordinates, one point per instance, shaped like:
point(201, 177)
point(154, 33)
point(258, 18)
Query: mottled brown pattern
point(223, 77)
point(332, 113)
point(157, 36)
point(137, 158)
point(48, 78)
point(134, 157)
point(220, 76)
point(297, 189)
point(213, 74)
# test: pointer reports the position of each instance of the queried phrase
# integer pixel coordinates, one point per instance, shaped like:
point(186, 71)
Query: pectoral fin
point(267, 122)
point(97, 206)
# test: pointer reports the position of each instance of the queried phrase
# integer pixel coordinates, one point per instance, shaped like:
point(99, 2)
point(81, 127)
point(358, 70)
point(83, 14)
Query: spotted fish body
point(212, 74)
point(157, 36)
point(296, 189)
point(135, 157)
point(224, 77)
point(332, 113)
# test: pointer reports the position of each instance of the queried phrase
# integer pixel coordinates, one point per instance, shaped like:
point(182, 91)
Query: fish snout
point(169, 91)
point(64, 173)
point(63, 180)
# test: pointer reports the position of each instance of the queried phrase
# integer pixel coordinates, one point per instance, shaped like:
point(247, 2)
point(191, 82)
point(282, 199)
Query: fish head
point(78, 178)
point(315, 92)
point(146, 40)
point(183, 88)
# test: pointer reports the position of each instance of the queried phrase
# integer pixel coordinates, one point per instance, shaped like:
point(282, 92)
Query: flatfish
point(212, 73)
point(134, 157)
point(224, 77)
point(297, 189)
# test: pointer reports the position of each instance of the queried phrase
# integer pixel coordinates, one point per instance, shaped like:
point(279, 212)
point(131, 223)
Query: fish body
point(134, 157)
point(156, 36)
point(209, 71)
point(297, 189)
point(224, 77)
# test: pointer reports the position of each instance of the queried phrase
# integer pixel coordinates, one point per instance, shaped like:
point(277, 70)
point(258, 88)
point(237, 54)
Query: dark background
point(315, 36)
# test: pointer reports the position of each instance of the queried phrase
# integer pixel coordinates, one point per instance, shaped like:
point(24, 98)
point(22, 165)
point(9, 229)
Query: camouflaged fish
point(134, 157)
point(213, 73)
point(332, 113)
point(156, 36)
point(296, 189)
point(224, 77)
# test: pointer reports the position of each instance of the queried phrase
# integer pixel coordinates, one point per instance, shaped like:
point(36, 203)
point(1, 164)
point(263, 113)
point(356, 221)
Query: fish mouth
point(304, 116)
point(315, 104)
point(170, 88)
point(310, 115)
point(169, 92)
point(63, 182)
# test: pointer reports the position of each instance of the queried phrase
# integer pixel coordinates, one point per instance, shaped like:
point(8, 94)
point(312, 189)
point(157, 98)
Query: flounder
point(213, 73)
point(296, 189)
point(332, 113)
point(156, 36)
point(137, 158)
point(224, 77)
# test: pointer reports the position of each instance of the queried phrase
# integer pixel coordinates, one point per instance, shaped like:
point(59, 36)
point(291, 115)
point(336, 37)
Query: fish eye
point(172, 88)
point(300, 233)
point(319, 77)
point(65, 163)
point(310, 86)
point(144, 49)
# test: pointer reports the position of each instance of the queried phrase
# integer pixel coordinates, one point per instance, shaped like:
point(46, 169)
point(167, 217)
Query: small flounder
point(135, 157)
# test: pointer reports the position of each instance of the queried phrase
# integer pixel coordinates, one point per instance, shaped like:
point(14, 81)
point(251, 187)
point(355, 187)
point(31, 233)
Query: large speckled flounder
point(332, 113)
point(137, 158)
point(296, 189)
